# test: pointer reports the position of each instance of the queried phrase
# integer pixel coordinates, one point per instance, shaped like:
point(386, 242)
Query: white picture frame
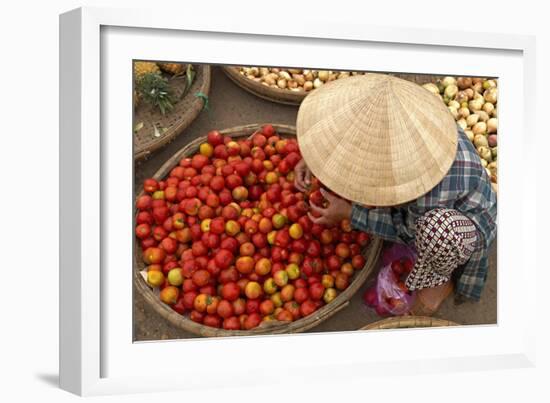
point(96, 354)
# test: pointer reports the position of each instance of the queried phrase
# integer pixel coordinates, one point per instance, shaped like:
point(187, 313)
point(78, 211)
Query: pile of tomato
point(227, 239)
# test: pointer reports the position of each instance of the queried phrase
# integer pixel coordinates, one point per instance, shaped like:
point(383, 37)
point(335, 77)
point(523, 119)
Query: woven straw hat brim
point(376, 139)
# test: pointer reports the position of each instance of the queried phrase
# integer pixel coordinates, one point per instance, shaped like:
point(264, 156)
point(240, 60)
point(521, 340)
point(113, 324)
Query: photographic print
point(280, 200)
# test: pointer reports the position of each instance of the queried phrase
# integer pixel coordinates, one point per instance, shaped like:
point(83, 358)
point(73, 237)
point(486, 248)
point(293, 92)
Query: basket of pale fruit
point(282, 85)
point(167, 98)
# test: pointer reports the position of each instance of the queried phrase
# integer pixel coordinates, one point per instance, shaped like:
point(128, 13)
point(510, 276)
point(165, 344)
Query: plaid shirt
point(466, 188)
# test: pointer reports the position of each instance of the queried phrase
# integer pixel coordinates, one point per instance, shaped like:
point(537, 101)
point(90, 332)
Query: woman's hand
point(337, 210)
point(303, 176)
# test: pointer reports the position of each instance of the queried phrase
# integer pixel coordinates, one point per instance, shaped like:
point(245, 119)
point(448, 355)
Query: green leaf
point(204, 97)
point(155, 90)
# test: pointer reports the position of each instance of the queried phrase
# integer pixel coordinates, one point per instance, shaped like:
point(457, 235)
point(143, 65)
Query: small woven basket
point(174, 122)
point(371, 254)
point(406, 322)
point(288, 97)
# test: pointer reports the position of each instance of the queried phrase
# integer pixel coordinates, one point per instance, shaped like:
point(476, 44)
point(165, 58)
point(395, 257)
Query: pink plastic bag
point(389, 296)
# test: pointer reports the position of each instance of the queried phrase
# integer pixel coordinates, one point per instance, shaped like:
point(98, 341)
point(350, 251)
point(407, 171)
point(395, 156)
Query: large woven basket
point(371, 254)
point(288, 97)
point(406, 322)
point(146, 118)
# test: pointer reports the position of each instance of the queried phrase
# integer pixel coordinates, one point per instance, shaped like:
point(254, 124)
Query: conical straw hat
point(375, 139)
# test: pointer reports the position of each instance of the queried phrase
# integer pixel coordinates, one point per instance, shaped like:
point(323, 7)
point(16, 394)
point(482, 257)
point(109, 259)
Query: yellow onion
point(476, 80)
point(478, 87)
point(494, 152)
point(495, 112)
point(492, 140)
point(317, 83)
point(488, 107)
point(448, 81)
point(462, 123)
point(464, 82)
point(323, 75)
point(480, 140)
point(469, 134)
point(461, 97)
point(299, 78)
point(478, 96)
point(453, 104)
point(485, 153)
point(484, 163)
point(479, 128)
point(308, 86)
point(463, 112)
point(292, 84)
point(492, 125)
point(453, 111)
point(475, 105)
point(483, 116)
point(271, 78)
point(489, 84)
point(344, 74)
point(432, 88)
point(493, 167)
point(295, 71)
point(285, 75)
point(491, 95)
point(450, 91)
point(472, 119)
point(469, 92)
point(281, 83)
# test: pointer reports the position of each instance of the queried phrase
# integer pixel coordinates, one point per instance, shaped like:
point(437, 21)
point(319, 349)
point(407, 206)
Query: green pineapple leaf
point(155, 90)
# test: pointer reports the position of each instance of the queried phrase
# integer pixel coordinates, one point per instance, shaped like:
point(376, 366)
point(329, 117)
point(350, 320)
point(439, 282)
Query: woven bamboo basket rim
point(278, 95)
point(405, 322)
point(176, 121)
point(371, 254)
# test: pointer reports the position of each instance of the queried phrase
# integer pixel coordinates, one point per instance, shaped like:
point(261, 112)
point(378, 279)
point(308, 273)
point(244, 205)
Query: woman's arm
point(386, 222)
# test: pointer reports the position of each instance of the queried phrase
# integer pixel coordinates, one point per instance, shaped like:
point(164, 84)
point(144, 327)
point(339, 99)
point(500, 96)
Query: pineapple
point(172, 68)
point(143, 68)
point(154, 89)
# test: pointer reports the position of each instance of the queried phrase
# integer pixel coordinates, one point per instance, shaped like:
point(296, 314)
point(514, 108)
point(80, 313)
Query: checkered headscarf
point(445, 239)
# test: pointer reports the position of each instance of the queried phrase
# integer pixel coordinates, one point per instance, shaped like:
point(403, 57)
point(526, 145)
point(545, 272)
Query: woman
point(394, 151)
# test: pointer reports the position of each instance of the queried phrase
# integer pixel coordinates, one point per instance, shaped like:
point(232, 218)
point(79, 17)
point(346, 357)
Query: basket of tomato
point(224, 245)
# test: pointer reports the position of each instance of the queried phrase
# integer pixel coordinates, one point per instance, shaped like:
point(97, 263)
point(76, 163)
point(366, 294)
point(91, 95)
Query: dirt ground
point(231, 106)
